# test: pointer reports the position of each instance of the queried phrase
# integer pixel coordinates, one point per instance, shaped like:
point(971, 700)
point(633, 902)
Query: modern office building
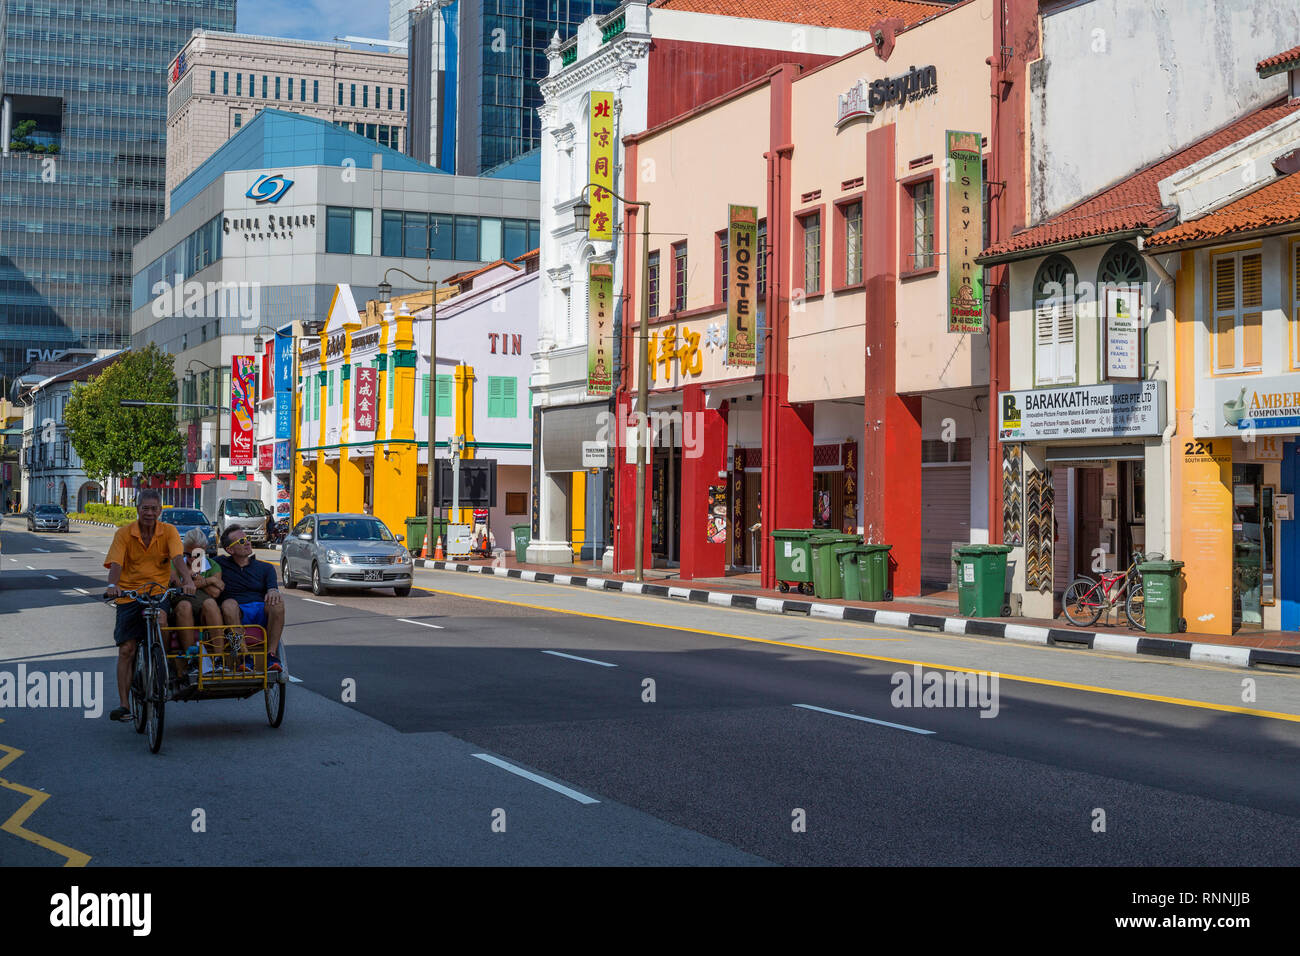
point(220, 81)
point(262, 233)
point(84, 97)
point(474, 69)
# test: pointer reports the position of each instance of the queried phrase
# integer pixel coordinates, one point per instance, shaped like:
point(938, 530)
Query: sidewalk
point(938, 610)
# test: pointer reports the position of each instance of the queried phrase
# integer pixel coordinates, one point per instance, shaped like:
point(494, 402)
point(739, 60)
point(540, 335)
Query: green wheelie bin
point(864, 570)
point(826, 548)
point(414, 534)
point(793, 555)
point(1162, 597)
point(982, 580)
point(523, 534)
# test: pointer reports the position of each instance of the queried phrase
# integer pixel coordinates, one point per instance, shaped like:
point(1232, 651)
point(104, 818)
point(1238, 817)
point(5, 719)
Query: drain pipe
point(6, 124)
point(1171, 398)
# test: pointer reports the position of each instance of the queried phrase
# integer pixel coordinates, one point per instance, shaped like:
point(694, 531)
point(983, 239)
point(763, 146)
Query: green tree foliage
point(110, 438)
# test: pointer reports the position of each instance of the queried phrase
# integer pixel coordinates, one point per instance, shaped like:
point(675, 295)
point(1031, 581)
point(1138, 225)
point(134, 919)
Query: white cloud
point(314, 19)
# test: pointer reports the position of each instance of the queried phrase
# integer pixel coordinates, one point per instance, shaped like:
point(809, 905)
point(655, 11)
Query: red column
point(704, 454)
point(891, 450)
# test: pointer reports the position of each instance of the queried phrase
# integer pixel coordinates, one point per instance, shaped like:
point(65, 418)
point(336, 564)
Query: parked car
point(246, 513)
point(345, 551)
point(186, 519)
point(47, 518)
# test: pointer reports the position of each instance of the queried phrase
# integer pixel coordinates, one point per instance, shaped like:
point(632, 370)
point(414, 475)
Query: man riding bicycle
point(142, 553)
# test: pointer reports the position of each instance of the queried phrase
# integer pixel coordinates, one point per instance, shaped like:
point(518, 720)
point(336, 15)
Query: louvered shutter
point(1225, 313)
point(1252, 297)
point(444, 396)
point(1065, 341)
point(509, 397)
point(495, 390)
point(1045, 342)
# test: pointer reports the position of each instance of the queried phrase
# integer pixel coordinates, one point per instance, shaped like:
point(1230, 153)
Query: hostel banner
point(600, 152)
point(242, 384)
point(965, 174)
point(742, 285)
point(600, 298)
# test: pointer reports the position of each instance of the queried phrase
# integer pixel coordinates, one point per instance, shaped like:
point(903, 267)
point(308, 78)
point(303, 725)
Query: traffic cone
point(437, 551)
point(424, 546)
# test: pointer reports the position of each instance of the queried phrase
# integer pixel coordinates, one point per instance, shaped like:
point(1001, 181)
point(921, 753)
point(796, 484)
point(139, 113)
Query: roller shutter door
point(945, 519)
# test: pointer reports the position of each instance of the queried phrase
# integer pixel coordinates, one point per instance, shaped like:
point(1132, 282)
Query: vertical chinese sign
point(600, 151)
point(600, 299)
point(242, 383)
point(363, 402)
point(283, 386)
point(849, 453)
point(965, 174)
point(742, 294)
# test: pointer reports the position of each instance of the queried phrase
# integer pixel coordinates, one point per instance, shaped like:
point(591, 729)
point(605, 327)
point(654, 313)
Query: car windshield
point(180, 516)
point(245, 508)
point(48, 510)
point(352, 529)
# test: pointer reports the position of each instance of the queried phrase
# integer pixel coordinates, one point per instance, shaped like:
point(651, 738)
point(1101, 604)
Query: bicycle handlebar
point(146, 597)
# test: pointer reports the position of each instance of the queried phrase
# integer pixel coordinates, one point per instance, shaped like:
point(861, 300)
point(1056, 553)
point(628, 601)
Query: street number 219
point(1197, 448)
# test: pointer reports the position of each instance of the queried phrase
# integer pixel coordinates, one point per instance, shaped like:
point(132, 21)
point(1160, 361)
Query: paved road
point(765, 739)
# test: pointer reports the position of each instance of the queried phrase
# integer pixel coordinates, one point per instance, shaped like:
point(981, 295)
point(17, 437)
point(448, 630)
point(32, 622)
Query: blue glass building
point(84, 93)
point(474, 67)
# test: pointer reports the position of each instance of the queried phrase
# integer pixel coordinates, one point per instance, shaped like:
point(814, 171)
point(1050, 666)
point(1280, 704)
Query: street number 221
point(1197, 448)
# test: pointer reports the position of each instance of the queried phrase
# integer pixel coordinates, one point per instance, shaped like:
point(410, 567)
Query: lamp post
point(189, 375)
point(385, 295)
point(581, 219)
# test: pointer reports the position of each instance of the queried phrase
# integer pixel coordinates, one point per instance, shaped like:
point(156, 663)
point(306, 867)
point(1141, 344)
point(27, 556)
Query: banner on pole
point(600, 153)
point(742, 285)
point(600, 301)
point(242, 384)
point(965, 175)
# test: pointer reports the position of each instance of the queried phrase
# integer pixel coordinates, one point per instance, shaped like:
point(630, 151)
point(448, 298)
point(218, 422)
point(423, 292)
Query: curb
point(1093, 640)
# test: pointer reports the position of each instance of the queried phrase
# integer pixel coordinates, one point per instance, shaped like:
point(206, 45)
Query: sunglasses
point(240, 540)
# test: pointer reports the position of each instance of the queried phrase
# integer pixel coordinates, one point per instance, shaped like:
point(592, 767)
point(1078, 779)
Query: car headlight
point(403, 556)
point(337, 557)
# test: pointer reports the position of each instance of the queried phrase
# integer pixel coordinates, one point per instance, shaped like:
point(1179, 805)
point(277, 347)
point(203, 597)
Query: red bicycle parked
point(1085, 599)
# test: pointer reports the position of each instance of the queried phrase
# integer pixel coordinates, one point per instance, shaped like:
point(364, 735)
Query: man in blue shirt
point(250, 595)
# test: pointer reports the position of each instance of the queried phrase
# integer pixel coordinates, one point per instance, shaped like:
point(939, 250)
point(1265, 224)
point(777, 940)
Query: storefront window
point(1247, 546)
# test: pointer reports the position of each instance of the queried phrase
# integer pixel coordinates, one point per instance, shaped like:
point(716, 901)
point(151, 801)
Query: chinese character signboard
point(667, 347)
point(363, 402)
point(265, 456)
point(849, 455)
point(965, 173)
point(600, 151)
point(284, 414)
point(283, 363)
point(281, 456)
point(242, 385)
point(600, 311)
point(742, 294)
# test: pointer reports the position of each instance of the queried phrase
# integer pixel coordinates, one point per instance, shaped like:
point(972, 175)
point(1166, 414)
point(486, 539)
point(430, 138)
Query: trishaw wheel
point(274, 694)
point(139, 681)
point(157, 698)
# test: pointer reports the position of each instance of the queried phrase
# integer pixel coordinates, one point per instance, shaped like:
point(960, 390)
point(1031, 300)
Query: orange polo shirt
point(141, 565)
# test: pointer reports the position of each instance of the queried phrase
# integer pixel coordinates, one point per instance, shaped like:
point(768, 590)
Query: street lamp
point(385, 290)
point(581, 220)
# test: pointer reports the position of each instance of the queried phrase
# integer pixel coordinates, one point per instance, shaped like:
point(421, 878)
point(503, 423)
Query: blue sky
point(313, 19)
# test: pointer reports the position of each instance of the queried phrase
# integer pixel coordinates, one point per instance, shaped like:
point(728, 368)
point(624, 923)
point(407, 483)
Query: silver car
point(47, 518)
point(345, 552)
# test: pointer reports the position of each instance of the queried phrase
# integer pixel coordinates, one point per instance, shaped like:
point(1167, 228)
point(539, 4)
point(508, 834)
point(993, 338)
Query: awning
point(1067, 454)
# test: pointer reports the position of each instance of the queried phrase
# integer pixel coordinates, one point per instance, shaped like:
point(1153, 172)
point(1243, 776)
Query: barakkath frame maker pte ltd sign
point(1119, 410)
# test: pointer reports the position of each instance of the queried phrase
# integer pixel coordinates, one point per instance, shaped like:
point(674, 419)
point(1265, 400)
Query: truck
point(233, 503)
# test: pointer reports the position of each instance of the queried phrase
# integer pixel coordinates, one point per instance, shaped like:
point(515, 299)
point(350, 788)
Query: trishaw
point(154, 679)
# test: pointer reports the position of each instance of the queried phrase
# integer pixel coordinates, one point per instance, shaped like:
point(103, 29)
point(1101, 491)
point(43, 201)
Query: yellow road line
point(1020, 678)
point(35, 798)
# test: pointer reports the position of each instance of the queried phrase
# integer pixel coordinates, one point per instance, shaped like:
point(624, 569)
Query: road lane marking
point(407, 620)
point(34, 800)
point(82, 591)
point(314, 601)
point(867, 720)
point(549, 784)
point(585, 660)
point(51, 577)
point(1003, 675)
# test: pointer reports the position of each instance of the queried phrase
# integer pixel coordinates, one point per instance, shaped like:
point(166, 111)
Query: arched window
point(1122, 265)
point(1121, 278)
point(1055, 331)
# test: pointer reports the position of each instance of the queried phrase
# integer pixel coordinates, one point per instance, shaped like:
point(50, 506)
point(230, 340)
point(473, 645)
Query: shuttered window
point(444, 396)
point(1237, 323)
point(424, 392)
point(503, 397)
point(1054, 342)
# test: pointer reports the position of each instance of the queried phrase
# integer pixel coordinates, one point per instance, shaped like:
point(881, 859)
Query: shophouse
point(859, 405)
point(365, 394)
point(1235, 455)
point(1090, 415)
point(655, 62)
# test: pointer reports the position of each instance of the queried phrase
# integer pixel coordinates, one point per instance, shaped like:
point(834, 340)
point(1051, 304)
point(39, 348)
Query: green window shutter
point(392, 372)
point(509, 397)
point(444, 408)
point(425, 391)
point(494, 396)
point(330, 398)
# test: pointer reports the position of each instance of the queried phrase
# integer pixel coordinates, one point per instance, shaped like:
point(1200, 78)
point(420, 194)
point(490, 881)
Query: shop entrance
point(1248, 547)
point(1087, 520)
point(665, 504)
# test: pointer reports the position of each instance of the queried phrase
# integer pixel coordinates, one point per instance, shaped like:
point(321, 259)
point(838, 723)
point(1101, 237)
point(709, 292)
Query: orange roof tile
point(529, 255)
point(1279, 62)
point(857, 15)
point(1133, 204)
point(1273, 205)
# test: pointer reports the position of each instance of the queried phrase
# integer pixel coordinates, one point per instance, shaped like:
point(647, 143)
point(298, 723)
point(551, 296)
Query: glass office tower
point(84, 97)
